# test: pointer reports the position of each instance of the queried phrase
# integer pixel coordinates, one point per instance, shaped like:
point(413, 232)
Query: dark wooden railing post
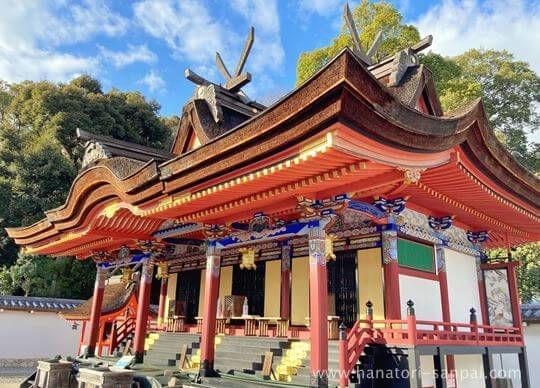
point(113, 338)
point(411, 322)
point(343, 357)
point(473, 320)
point(369, 314)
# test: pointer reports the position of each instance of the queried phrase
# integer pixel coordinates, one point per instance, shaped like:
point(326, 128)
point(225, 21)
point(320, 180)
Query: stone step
point(254, 341)
point(246, 349)
point(226, 354)
point(226, 365)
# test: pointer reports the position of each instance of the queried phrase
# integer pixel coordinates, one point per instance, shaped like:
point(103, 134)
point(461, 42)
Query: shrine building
point(344, 225)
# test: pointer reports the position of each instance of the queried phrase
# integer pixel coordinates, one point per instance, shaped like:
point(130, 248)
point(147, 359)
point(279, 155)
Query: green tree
point(40, 156)
point(510, 91)
point(44, 276)
point(370, 18)
point(528, 273)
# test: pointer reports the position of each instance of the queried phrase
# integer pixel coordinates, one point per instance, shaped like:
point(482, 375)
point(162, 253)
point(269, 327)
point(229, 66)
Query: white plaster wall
point(428, 371)
point(507, 366)
point(532, 344)
point(462, 286)
point(37, 335)
point(425, 294)
point(469, 371)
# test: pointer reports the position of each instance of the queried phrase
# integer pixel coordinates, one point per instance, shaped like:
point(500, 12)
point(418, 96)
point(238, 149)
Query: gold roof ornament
point(127, 275)
point(162, 270)
point(248, 258)
point(329, 247)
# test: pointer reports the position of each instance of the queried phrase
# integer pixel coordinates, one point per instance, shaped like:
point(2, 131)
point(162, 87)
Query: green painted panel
point(415, 255)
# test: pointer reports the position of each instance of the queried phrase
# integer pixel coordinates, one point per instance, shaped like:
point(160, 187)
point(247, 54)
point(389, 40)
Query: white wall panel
point(469, 371)
point(425, 294)
point(462, 286)
point(532, 345)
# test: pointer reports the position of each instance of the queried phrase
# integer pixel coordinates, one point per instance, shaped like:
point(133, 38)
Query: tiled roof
point(31, 303)
point(530, 312)
point(115, 296)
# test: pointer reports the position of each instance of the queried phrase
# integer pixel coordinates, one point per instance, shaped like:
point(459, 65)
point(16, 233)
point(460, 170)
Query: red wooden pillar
point(445, 303)
point(162, 301)
point(95, 313)
point(285, 310)
point(81, 339)
point(318, 303)
point(143, 305)
point(482, 292)
point(391, 272)
point(211, 291)
point(514, 293)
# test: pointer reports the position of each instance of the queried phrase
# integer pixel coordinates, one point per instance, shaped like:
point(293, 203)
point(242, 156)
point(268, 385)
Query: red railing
point(121, 331)
point(413, 332)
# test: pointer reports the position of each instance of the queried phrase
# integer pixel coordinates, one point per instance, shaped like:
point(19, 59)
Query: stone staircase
point(235, 354)
point(302, 373)
point(246, 354)
point(163, 349)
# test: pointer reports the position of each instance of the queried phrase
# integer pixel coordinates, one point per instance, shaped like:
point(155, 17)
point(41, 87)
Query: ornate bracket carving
point(477, 237)
point(411, 175)
point(391, 206)
point(440, 223)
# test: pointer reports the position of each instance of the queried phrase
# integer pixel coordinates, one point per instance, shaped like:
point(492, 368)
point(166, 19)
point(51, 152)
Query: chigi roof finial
point(401, 60)
point(233, 82)
point(357, 46)
point(236, 81)
point(230, 94)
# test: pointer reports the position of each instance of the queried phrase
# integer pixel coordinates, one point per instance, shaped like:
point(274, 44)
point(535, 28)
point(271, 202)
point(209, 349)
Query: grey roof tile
point(9, 302)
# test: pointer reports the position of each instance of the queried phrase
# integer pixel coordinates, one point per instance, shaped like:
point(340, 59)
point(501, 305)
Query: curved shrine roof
point(345, 98)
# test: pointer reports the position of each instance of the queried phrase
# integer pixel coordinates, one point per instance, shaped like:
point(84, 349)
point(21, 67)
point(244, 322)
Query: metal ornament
point(248, 258)
point(162, 270)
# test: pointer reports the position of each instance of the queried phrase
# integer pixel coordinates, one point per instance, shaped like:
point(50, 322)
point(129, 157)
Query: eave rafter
point(480, 215)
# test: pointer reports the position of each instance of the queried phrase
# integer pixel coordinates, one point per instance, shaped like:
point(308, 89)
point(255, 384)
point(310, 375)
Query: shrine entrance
point(342, 287)
point(187, 291)
point(250, 283)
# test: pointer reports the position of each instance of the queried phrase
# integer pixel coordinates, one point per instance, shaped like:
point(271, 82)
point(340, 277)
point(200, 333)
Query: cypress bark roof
point(115, 296)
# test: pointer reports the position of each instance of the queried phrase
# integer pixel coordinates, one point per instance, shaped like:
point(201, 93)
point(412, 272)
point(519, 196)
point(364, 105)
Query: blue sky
point(146, 45)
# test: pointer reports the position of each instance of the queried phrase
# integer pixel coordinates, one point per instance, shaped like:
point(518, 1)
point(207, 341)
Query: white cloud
point(153, 81)
point(264, 16)
point(512, 25)
point(30, 63)
point(185, 25)
point(194, 34)
point(32, 31)
point(321, 7)
point(140, 53)
point(79, 22)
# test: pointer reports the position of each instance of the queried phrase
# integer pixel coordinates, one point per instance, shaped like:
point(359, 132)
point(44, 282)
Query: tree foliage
point(510, 91)
point(528, 272)
point(370, 18)
point(40, 157)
